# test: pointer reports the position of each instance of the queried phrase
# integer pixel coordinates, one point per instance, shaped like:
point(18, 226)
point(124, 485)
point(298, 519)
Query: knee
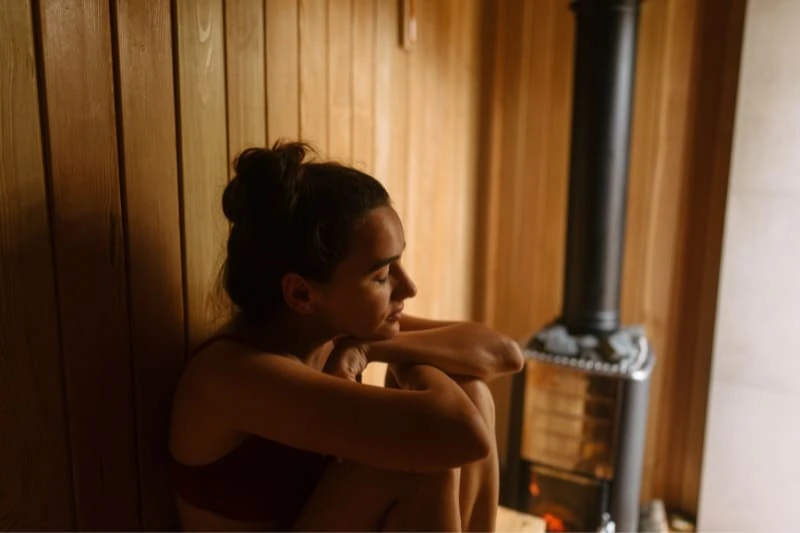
point(478, 391)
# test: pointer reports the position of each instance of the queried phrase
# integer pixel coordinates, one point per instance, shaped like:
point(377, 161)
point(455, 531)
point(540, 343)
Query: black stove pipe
point(605, 59)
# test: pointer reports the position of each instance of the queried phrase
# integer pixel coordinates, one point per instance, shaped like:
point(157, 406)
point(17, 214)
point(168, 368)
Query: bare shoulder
point(198, 432)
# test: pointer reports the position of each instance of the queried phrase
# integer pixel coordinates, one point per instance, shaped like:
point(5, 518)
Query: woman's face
point(365, 297)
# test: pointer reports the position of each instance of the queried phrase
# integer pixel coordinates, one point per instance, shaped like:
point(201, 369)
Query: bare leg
point(354, 497)
point(480, 481)
point(479, 492)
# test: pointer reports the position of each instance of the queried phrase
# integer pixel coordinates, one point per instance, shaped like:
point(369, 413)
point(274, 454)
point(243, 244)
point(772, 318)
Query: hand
point(348, 359)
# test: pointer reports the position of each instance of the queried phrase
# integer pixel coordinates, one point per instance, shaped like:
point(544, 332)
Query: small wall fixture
point(408, 24)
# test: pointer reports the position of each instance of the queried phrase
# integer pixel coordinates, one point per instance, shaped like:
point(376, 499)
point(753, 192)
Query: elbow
point(499, 355)
point(471, 435)
point(461, 435)
point(509, 357)
point(462, 441)
point(476, 440)
point(516, 361)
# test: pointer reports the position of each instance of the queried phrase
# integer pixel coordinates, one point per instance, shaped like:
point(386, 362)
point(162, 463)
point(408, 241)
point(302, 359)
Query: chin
point(387, 330)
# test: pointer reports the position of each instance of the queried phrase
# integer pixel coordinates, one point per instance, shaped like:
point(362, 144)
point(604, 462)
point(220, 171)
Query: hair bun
point(265, 184)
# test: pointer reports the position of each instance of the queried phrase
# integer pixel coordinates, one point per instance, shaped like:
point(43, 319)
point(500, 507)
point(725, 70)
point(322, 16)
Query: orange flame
point(553, 523)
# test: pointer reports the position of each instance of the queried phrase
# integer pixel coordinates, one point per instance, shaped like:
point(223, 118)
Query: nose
point(404, 287)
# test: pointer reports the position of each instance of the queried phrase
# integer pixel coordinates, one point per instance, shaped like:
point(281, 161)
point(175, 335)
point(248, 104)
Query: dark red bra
point(258, 481)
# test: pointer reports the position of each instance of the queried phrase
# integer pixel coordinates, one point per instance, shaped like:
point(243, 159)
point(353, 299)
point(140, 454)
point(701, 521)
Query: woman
point(271, 428)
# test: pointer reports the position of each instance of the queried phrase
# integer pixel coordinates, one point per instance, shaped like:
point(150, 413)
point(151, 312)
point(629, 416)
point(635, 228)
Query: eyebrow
point(382, 263)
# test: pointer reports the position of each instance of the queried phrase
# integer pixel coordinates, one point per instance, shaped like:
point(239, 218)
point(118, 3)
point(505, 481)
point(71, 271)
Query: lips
point(395, 315)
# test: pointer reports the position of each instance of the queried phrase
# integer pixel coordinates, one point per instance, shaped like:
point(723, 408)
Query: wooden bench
point(509, 520)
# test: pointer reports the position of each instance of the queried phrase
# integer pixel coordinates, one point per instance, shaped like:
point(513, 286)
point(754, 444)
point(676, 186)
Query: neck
point(289, 335)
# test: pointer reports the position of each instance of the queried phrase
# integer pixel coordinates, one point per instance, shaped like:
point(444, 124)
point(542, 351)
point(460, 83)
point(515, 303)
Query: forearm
point(460, 349)
point(415, 323)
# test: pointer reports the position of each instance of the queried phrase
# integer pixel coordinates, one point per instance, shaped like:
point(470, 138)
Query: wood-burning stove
point(577, 439)
point(579, 409)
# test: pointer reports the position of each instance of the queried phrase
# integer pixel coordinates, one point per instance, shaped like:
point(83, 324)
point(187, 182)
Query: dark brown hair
point(289, 214)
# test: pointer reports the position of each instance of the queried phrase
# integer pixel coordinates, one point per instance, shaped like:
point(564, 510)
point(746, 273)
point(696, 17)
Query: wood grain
point(665, 256)
point(391, 101)
point(429, 144)
point(90, 261)
point(426, 146)
point(35, 448)
point(407, 115)
point(203, 157)
point(467, 146)
point(363, 59)
point(510, 520)
point(469, 131)
point(313, 31)
point(532, 105)
point(283, 74)
point(720, 29)
point(658, 218)
point(435, 234)
point(340, 80)
point(150, 167)
point(488, 241)
point(245, 77)
point(492, 117)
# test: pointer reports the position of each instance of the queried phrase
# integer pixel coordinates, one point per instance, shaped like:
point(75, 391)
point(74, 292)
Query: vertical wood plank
point(493, 68)
point(204, 156)
point(513, 311)
point(244, 48)
point(313, 27)
point(35, 449)
point(665, 244)
point(363, 60)
point(466, 147)
point(150, 167)
point(488, 240)
point(720, 28)
point(514, 314)
point(283, 75)
point(407, 119)
point(391, 105)
point(340, 80)
point(90, 260)
point(431, 147)
point(555, 170)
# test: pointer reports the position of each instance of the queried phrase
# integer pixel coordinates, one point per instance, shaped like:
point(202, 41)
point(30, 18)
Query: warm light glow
point(534, 489)
point(553, 522)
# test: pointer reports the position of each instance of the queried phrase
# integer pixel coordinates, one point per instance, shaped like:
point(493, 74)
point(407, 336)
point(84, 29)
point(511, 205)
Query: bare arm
point(415, 323)
point(457, 348)
point(433, 427)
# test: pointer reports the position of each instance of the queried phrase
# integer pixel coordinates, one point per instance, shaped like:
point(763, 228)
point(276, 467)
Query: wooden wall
point(119, 121)
point(686, 74)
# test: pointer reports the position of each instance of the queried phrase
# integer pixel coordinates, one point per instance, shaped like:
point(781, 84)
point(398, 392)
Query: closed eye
point(380, 263)
point(383, 275)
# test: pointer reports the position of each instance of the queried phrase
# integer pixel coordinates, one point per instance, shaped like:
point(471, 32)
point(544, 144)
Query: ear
point(298, 293)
